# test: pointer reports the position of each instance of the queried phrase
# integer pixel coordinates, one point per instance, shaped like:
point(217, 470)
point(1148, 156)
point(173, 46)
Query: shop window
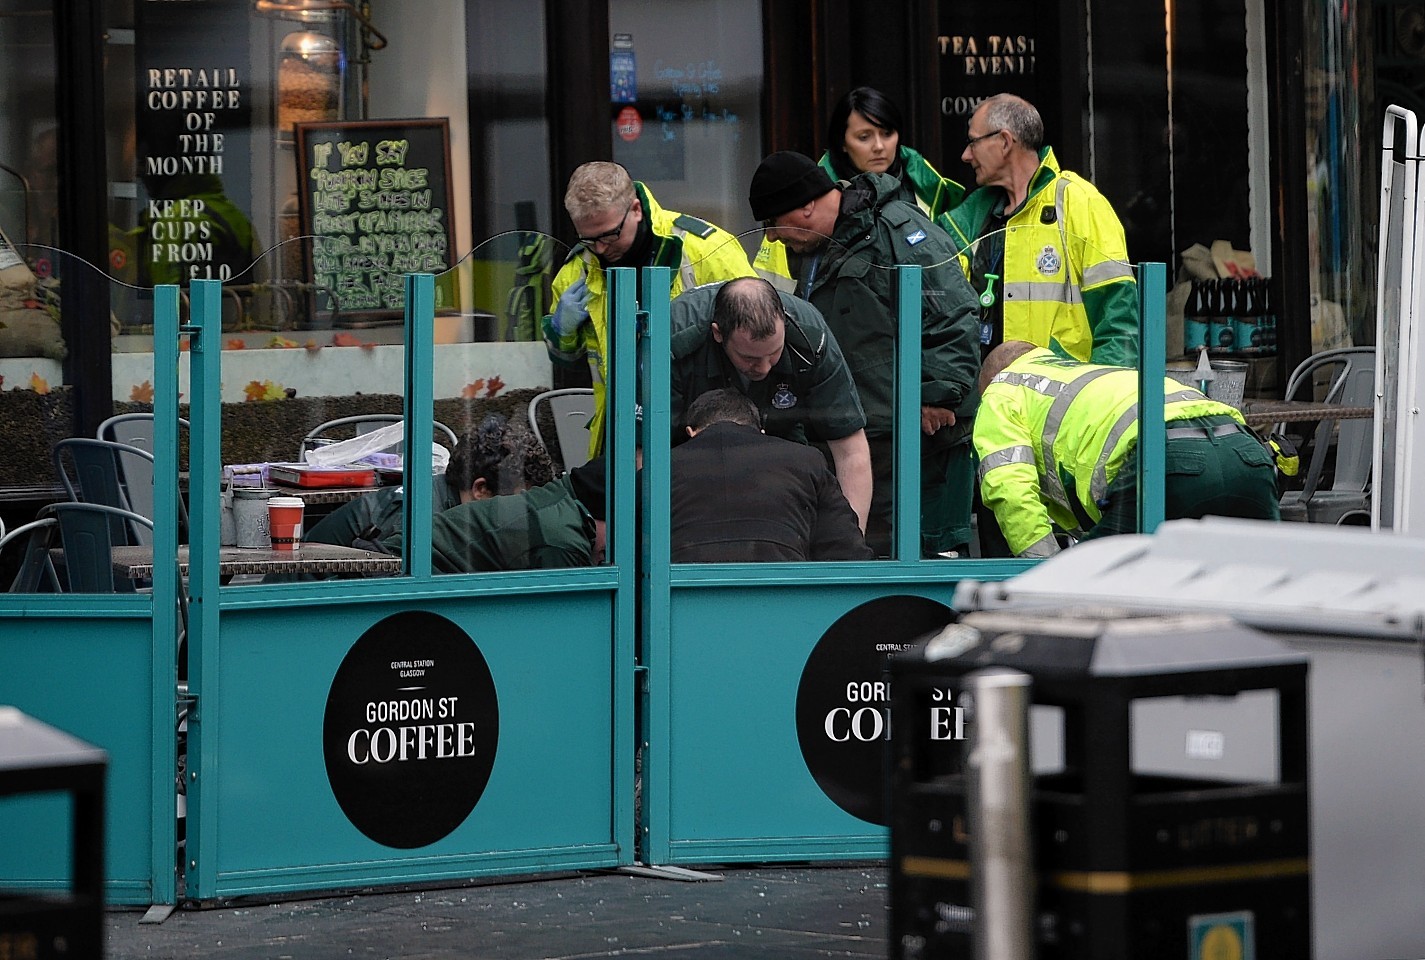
point(685, 95)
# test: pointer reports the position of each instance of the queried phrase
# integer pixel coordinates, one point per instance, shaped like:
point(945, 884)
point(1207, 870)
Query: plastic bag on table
point(365, 445)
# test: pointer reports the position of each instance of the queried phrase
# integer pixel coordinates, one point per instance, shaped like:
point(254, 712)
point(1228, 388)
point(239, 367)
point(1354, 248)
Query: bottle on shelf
point(1219, 324)
point(1248, 326)
point(1195, 319)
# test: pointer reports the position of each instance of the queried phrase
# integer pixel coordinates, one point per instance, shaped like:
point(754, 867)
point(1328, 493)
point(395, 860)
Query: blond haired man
point(619, 223)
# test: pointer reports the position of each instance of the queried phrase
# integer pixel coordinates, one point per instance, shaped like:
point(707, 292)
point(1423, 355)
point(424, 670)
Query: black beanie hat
point(784, 181)
point(588, 484)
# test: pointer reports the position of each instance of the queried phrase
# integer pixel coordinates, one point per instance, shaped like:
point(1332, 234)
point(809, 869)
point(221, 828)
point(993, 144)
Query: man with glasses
point(1041, 246)
point(620, 224)
point(1044, 252)
point(776, 350)
point(852, 235)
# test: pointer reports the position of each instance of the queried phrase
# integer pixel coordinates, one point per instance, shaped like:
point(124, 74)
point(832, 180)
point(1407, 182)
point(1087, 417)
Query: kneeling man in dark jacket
point(740, 496)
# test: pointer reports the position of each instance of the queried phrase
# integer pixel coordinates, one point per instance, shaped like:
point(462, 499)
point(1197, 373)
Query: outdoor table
point(136, 563)
point(1259, 413)
point(332, 496)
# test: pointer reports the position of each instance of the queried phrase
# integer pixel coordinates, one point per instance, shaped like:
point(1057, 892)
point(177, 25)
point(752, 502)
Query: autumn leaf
point(494, 386)
point(368, 347)
point(142, 392)
point(39, 384)
point(312, 346)
point(281, 342)
point(235, 344)
point(346, 340)
point(266, 390)
point(472, 390)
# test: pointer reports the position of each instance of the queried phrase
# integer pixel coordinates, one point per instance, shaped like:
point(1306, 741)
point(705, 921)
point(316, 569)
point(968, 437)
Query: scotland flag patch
point(915, 238)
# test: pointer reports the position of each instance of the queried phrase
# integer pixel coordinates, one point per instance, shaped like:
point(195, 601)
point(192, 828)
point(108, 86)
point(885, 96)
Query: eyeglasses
point(611, 235)
point(970, 143)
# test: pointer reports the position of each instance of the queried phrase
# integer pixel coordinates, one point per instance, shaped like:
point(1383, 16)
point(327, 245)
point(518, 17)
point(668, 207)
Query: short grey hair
point(1005, 111)
point(597, 187)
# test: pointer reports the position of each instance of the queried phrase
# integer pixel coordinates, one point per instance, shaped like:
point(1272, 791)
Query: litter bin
point(1169, 804)
point(35, 758)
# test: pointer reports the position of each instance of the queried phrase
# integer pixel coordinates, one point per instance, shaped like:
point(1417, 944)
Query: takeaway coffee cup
point(250, 517)
point(284, 519)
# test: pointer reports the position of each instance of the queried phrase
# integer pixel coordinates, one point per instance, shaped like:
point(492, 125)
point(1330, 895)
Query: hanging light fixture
point(312, 63)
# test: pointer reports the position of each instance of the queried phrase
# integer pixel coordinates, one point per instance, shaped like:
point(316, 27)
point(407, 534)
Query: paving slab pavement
point(790, 913)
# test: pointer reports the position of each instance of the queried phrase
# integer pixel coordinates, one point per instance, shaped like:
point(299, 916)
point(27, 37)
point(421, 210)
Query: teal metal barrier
point(1152, 431)
point(532, 672)
point(103, 668)
point(748, 665)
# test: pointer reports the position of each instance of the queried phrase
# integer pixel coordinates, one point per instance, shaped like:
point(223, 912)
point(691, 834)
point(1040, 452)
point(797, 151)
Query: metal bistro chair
point(36, 573)
point(92, 472)
point(136, 472)
point(572, 408)
point(86, 535)
point(365, 423)
point(1350, 383)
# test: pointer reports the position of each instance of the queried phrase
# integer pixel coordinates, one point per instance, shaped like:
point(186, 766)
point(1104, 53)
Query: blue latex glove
point(572, 309)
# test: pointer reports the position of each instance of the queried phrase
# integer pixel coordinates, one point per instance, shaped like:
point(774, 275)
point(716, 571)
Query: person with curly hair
point(493, 459)
point(513, 513)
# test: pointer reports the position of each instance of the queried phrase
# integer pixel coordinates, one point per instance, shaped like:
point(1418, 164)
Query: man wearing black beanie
point(852, 234)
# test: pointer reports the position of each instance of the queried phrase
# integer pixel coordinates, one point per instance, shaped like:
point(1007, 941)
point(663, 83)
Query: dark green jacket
point(808, 395)
point(853, 285)
point(539, 529)
point(374, 516)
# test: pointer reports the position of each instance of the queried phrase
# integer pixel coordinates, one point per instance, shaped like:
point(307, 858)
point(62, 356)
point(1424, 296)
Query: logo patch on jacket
point(1048, 262)
point(915, 238)
point(784, 399)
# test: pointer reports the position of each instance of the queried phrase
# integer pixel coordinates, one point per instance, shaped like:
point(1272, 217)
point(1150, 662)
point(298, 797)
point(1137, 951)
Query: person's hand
point(572, 308)
point(933, 418)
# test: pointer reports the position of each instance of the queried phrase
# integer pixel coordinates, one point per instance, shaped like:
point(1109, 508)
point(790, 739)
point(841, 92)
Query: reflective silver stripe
point(690, 279)
point(784, 284)
point(1106, 271)
point(1098, 482)
point(1032, 292)
point(1054, 486)
point(1005, 457)
point(1045, 546)
point(1034, 381)
point(1182, 396)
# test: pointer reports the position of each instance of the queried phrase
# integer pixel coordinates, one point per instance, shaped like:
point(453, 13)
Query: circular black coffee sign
point(411, 729)
point(844, 699)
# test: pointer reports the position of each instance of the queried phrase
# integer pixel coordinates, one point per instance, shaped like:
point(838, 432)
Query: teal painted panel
point(549, 799)
point(37, 847)
point(89, 678)
point(739, 785)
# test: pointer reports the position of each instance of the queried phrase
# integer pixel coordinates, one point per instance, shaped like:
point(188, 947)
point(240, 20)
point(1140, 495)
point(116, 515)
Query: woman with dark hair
point(863, 136)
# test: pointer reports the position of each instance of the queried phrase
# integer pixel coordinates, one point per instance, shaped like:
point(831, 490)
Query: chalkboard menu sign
point(375, 199)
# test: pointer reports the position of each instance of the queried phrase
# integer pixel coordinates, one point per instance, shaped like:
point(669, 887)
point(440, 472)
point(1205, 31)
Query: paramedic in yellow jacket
point(620, 224)
point(1057, 439)
point(1041, 246)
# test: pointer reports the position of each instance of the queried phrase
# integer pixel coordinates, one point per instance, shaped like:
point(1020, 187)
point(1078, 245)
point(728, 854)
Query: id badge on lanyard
point(987, 302)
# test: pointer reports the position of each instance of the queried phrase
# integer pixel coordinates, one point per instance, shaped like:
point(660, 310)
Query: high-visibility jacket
point(921, 184)
point(1052, 434)
point(698, 251)
point(1067, 282)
